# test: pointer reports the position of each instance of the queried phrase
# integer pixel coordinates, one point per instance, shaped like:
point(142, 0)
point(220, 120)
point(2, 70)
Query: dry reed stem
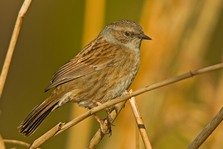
point(46, 136)
point(140, 123)
point(206, 132)
point(135, 93)
point(12, 43)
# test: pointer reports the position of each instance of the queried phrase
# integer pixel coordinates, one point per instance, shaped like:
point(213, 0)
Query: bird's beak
point(143, 36)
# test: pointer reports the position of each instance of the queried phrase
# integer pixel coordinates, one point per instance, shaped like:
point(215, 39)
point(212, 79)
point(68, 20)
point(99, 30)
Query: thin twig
point(140, 123)
point(137, 92)
point(17, 142)
point(206, 132)
point(12, 44)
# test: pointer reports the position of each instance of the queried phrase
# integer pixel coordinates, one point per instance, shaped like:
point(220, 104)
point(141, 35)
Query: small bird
point(102, 71)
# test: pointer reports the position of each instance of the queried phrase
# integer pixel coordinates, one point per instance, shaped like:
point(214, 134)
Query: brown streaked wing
point(90, 59)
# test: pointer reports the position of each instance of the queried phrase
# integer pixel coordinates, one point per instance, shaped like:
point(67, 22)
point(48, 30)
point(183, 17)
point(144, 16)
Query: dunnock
point(102, 71)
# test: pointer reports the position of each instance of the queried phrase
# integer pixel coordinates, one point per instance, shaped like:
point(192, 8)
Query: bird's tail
point(35, 118)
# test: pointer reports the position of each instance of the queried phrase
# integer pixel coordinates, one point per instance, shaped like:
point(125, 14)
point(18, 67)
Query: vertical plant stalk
point(140, 123)
point(12, 43)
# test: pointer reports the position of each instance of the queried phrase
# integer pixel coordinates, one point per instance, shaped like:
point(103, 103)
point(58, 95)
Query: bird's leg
point(105, 124)
point(111, 109)
point(109, 116)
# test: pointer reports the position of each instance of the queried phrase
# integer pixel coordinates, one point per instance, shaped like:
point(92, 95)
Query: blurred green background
point(186, 35)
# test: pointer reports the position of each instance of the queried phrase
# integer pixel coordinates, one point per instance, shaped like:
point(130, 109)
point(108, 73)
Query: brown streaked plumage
point(103, 70)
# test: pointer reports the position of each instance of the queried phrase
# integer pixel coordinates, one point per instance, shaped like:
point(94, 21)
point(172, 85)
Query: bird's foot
point(104, 124)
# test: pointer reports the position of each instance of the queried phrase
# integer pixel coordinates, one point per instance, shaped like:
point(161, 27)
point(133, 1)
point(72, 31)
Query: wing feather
point(89, 60)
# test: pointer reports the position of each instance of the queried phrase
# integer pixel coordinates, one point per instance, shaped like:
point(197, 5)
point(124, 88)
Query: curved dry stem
point(16, 142)
point(206, 132)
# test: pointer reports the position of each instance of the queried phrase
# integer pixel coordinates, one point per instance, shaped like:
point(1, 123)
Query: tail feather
point(35, 118)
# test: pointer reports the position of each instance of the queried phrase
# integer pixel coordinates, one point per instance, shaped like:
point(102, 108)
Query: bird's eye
point(128, 34)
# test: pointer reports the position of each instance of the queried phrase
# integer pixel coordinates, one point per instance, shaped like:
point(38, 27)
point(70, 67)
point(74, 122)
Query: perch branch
point(46, 136)
point(135, 93)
